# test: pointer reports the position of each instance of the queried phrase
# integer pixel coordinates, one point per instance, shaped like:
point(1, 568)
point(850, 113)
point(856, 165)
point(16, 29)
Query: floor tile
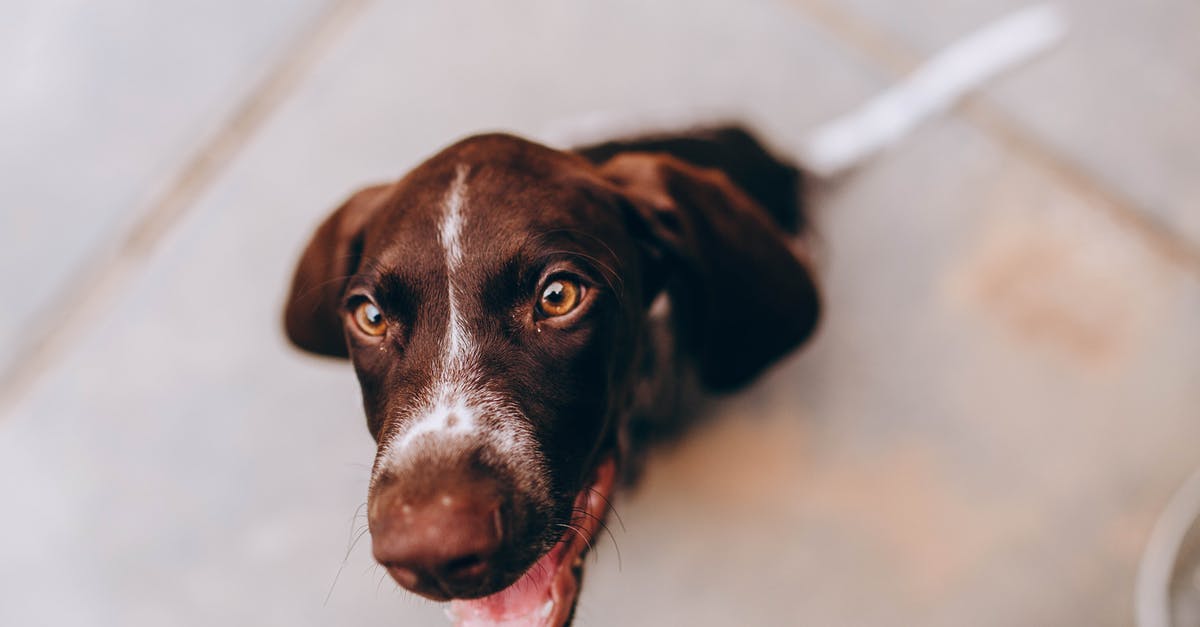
point(996, 408)
point(104, 104)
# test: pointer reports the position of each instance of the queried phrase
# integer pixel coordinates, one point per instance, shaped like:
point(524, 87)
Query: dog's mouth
point(546, 594)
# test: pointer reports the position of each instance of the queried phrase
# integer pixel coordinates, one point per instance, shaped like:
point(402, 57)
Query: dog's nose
point(441, 546)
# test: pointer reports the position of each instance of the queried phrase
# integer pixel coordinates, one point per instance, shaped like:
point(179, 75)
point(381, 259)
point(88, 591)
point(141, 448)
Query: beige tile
point(103, 104)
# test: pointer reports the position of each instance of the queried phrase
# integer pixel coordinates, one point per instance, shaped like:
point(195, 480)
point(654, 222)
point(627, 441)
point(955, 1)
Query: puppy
point(524, 321)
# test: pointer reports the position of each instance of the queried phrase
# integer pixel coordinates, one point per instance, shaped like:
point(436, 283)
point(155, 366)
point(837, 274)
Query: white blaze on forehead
point(456, 402)
point(450, 236)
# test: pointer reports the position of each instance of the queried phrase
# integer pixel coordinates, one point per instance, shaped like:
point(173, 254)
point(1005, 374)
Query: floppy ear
point(312, 316)
point(743, 296)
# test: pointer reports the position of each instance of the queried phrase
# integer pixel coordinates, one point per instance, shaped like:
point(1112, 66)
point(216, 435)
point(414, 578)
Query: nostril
point(498, 525)
point(465, 567)
point(406, 577)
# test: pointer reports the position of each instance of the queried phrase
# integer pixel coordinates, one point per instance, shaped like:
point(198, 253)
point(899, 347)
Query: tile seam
point(98, 283)
point(897, 58)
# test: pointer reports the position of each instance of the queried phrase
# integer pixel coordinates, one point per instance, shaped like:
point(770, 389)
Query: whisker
point(578, 532)
point(376, 267)
point(604, 526)
point(604, 266)
point(610, 272)
point(355, 536)
point(321, 285)
point(587, 235)
point(605, 275)
point(380, 584)
point(610, 505)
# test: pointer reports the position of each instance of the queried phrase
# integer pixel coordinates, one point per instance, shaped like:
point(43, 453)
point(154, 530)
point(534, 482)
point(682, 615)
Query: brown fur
point(703, 218)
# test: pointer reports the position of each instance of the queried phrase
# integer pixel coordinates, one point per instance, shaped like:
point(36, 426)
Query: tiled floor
point(105, 107)
point(1002, 398)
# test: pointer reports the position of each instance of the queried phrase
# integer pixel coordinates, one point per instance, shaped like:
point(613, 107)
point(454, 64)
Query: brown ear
point(312, 316)
point(743, 296)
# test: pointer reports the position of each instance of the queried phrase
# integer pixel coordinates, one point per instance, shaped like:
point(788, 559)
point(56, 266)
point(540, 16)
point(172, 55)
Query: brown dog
point(523, 320)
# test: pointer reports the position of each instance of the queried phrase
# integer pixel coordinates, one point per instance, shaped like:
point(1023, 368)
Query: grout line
point(899, 59)
point(1158, 235)
point(861, 36)
point(98, 284)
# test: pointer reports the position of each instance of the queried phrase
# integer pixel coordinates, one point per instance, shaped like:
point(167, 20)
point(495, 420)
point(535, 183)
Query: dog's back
point(775, 184)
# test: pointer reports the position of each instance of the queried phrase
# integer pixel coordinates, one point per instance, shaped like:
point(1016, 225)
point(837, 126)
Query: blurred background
point(1003, 398)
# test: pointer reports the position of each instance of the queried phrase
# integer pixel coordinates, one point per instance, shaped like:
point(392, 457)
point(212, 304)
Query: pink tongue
point(531, 600)
point(528, 601)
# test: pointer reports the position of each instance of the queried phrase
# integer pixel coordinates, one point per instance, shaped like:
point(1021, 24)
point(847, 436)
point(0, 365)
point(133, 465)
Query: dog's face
point(493, 304)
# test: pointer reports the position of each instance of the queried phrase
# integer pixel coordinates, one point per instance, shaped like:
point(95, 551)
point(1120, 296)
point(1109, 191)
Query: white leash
point(932, 89)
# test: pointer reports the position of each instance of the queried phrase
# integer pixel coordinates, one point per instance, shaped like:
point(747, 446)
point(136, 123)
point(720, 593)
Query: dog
point(526, 322)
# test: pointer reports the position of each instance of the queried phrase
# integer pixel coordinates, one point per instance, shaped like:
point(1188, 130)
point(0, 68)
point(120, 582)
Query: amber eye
point(559, 297)
point(370, 319)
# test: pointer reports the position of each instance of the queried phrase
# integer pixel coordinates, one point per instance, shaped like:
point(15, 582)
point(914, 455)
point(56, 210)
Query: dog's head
point(494, 305)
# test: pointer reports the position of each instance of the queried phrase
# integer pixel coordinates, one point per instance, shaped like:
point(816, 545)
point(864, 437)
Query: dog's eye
point(370, 319)
point(559, 297)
